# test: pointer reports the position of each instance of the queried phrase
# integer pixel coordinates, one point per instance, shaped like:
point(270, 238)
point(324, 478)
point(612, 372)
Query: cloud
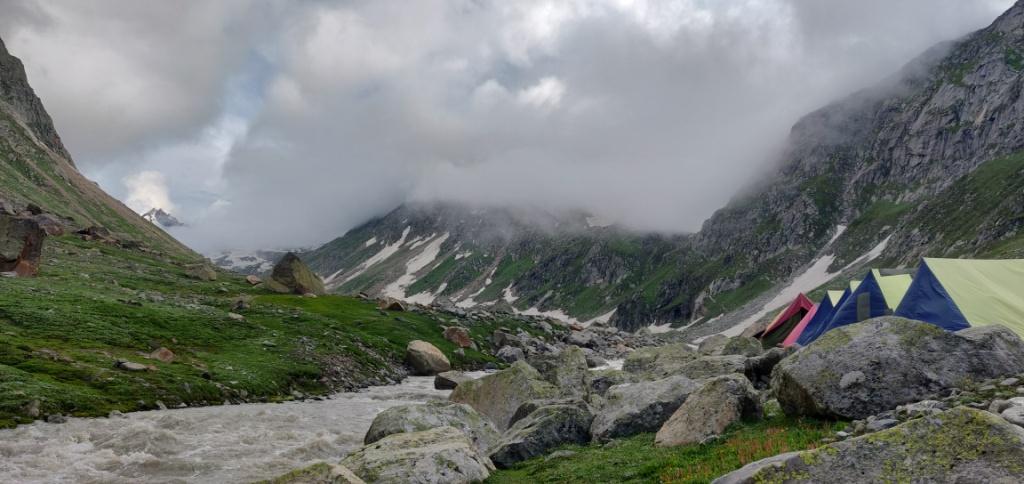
point(146, 190)
point(651, 113)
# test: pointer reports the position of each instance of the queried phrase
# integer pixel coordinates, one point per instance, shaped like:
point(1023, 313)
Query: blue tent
point(816, 326)
point(927, 300)
point(866, 301)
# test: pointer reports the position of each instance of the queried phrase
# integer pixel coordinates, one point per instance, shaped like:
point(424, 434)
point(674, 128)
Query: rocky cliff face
point(35, 168)
point(926, 163)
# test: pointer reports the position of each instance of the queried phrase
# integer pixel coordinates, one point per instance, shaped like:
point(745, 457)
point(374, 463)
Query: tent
point(876, 295)
point(785, 321)
point(816, 323)
point(957, 293)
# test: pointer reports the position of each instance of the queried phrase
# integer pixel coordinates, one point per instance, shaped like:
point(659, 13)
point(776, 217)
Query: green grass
point(637, 460)
point(60, 334)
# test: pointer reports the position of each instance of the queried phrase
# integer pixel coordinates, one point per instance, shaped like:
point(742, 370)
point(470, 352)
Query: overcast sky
point(281, 124)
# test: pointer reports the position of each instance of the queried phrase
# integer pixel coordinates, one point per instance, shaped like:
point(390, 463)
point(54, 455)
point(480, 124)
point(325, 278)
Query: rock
point(510, 354)
point(56, 418)
point(595, 361)
point(459, 336)
point(959, 445)
point(500, 394)
point(759, 368)
point(163, 355)
point(441, 455)
point(559, 454)
point(321, 473)
point(448, 380)
point(567, 370)
point(713, 345)
point(743, 346)
point(583, 339)
point(202, 272)
point(292, 276)
point(425, 358)
point(531, 406)
point(236, 317)
point(1009, 382)
point(634, 408)
point(50, 224)
point(130, 366)
point(709, 410)
point(418, 417)
point(21, 245)
point(922, 408)
point(881, 424)
point(31, 409)
point(902, 361)
point(712, 366)
point(658, 361)
point(253, 280)
point(391, 304)
point(241, 303)
point(602, 380)
point(544, 429)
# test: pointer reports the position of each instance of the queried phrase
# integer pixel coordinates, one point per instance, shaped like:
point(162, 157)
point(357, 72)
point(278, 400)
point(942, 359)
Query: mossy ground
point(637, 460)
point(93, 303)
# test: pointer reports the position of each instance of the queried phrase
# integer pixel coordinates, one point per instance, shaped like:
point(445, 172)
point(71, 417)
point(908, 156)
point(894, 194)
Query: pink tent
point(799, 329)
point(783, 324)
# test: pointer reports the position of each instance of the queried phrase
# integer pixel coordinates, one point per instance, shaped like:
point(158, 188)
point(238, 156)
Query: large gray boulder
point(567, 370)
point(713, 345)
point(866, 368)
point(499, 395)
point(711, 409)
point(712, 366)
point(602, 380)
point(544, 429)
point(448, 380)
point(437, 456)
point(959, 445)
point(21, 245)
point(291, 275)
point(425, 359)
point(426, 416)
point(635, 408)
point(658, 361)
point(743, 346)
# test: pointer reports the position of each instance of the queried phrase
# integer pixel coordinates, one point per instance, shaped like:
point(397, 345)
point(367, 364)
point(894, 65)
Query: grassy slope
point(637, 460)
point(61, 333)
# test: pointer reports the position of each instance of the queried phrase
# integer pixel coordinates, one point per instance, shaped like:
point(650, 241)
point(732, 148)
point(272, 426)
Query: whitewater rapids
point(229, 443)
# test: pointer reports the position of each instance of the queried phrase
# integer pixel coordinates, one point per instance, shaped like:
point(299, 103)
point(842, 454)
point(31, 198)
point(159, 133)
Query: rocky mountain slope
point(878, 175)
point(160, 217)
point(35, 168)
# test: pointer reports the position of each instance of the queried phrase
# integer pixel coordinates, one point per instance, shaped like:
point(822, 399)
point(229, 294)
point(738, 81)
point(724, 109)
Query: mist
point(273, 124)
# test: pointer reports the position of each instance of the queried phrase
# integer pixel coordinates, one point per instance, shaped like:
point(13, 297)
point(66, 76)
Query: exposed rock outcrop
point(635, 408)
point(21, 245)
point(437, 456)
point(959, 445)
point(709, 410)
point(426, 416)
point(542, 430)
point(862, 369)
point(499, 395)
point(291, 275)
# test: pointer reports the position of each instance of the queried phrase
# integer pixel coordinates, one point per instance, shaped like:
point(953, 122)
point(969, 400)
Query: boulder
point(659, 361)
point(391, 304)
point(253, 280)
point(544, 429)
point(709, 410)
point(49, 224)
point(437, 456)
point(163, 355)
point(201, 271)
point(531, 406)
point(567, 370)
point(510, 354)
point(130, 366)
point(292, 276)
point(959, 445)
point(448, 380)
point(759, 368)
point(459, 336)
point(500, 394)
point(418, 417)
point(743, 346)
point(425, 359)
point(713, 345)
point(321, 473)
point(634, 408)
point(712, 366)
point(866, 368)
point(21, 245)
point(602, 380)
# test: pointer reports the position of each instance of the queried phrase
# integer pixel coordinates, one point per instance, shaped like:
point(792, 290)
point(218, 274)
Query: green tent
point(959, 293)
point(893, 287)
point(835, 296)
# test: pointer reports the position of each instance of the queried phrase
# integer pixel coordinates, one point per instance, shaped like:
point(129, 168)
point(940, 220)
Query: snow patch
point(507, 294)
point(602, 319)
point(596, 222)
point(373, 240)
point(429, 254)
point(427, 297)
point(386, 252)
point(471, 301)
point(553, 314)
point(463, 255)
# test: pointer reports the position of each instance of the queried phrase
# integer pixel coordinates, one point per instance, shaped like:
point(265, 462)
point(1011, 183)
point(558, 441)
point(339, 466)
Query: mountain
point(928, 162)
point(249, 262)
point(35, 168)
point(159, 217)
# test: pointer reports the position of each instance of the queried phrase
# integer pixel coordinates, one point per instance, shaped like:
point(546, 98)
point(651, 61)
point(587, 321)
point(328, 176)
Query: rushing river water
point(230, 443)
point(222, 444)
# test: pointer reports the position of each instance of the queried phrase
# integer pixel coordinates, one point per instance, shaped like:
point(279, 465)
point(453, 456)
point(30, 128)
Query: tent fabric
point(893, 287)
point(835, 296)
point(816, 326)
point(825, 306)
point(785, 321)
point(958, 293)
point(866, 302)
